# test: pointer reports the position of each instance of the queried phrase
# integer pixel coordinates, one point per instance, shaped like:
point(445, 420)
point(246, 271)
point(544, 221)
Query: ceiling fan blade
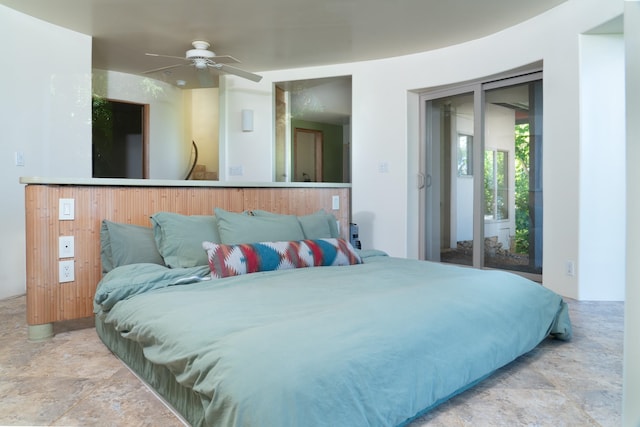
point(155, 70)
point(224, 59)
point(238, 72)
point(165, 56)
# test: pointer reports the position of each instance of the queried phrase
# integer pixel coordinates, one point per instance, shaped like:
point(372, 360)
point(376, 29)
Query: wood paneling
point(49, 301)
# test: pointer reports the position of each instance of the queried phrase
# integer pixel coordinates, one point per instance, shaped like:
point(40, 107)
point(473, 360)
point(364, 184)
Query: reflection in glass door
point(482, 198)
point(449, 183)
point(513, 177)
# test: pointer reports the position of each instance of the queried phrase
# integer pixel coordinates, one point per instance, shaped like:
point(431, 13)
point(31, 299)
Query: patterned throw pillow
point(245, 258)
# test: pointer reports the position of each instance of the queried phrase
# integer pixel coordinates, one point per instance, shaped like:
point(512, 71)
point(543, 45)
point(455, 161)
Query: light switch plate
point(19, 158)
point(236, 170)
point(66, 210)
point(335, 203)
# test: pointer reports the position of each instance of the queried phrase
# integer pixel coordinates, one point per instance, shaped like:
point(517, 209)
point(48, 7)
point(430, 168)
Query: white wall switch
point(66, 209)
point(66, 247)
point(569, 268)
point(335, 203)
point(19, 158)
point(66, 271)
point(236, 170)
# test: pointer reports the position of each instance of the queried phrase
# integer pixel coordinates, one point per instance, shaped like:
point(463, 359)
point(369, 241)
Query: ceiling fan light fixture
point(199, 63)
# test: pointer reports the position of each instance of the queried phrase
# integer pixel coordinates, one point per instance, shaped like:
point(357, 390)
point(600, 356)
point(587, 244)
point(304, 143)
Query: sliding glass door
point(482, 162)
point(450, 178)
point(513, 177)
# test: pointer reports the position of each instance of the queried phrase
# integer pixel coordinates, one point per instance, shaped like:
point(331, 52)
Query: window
point(496, 188)
point(465, 154)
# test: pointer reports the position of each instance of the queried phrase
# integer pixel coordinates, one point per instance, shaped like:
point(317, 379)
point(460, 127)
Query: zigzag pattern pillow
point(245, 258)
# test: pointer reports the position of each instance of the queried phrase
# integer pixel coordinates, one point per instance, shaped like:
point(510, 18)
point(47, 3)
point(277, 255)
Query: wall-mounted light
point(247, 120)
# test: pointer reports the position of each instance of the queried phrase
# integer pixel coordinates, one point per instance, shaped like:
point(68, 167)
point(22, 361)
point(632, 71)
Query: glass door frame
point(478, 89)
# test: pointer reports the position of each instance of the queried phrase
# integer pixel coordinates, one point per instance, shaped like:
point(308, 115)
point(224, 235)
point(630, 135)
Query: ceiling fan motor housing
point(200, 51)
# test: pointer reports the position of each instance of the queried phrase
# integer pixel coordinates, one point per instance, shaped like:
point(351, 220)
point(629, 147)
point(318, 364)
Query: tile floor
point(73, 380)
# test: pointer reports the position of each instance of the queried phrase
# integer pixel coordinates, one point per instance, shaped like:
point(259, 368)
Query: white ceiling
point(276, 34)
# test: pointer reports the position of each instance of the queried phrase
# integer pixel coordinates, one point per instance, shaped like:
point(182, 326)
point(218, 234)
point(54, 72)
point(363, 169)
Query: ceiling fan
point(202, 59)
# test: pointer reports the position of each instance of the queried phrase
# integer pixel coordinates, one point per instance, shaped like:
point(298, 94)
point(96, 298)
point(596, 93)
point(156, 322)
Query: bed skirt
point(184, 401)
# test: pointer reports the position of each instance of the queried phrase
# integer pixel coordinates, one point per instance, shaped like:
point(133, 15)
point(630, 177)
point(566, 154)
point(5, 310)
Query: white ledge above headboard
point(175, 183)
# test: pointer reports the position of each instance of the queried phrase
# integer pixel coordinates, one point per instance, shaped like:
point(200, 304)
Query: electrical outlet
point(66, 247)
point(66, 271)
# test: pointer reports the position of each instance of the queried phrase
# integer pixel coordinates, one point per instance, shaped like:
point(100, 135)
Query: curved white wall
point(45, 113)
point(385, 123)
point(631, 380)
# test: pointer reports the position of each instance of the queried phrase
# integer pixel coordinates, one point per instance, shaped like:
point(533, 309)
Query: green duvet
point(373, 344)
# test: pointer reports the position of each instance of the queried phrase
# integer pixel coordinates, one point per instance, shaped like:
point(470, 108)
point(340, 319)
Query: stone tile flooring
point(73, 380)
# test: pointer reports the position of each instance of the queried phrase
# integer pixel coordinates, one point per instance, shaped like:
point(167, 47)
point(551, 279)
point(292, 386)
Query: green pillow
point(315, 227)
point(328, 217)
point(237, 228)
point(122, 244)
point(179, 237)
point(318, 225)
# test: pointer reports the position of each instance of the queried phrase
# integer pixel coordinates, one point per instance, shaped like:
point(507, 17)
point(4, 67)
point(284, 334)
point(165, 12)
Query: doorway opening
point(307, 152)
point(119, 139)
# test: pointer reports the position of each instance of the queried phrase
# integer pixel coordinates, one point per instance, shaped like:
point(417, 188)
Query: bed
point(256, 319)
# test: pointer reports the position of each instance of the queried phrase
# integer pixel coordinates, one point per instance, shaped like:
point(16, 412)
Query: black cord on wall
point(195, 160)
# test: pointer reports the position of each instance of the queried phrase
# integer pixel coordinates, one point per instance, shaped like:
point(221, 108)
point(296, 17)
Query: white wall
point(631, 375)
point(253, 152)
point(385, 121)
point(169, 149)
point(45, 112)
point(602, 168)
point(201, 115)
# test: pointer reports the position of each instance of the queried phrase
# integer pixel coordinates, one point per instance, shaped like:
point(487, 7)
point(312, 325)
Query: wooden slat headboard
point(49, 301)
